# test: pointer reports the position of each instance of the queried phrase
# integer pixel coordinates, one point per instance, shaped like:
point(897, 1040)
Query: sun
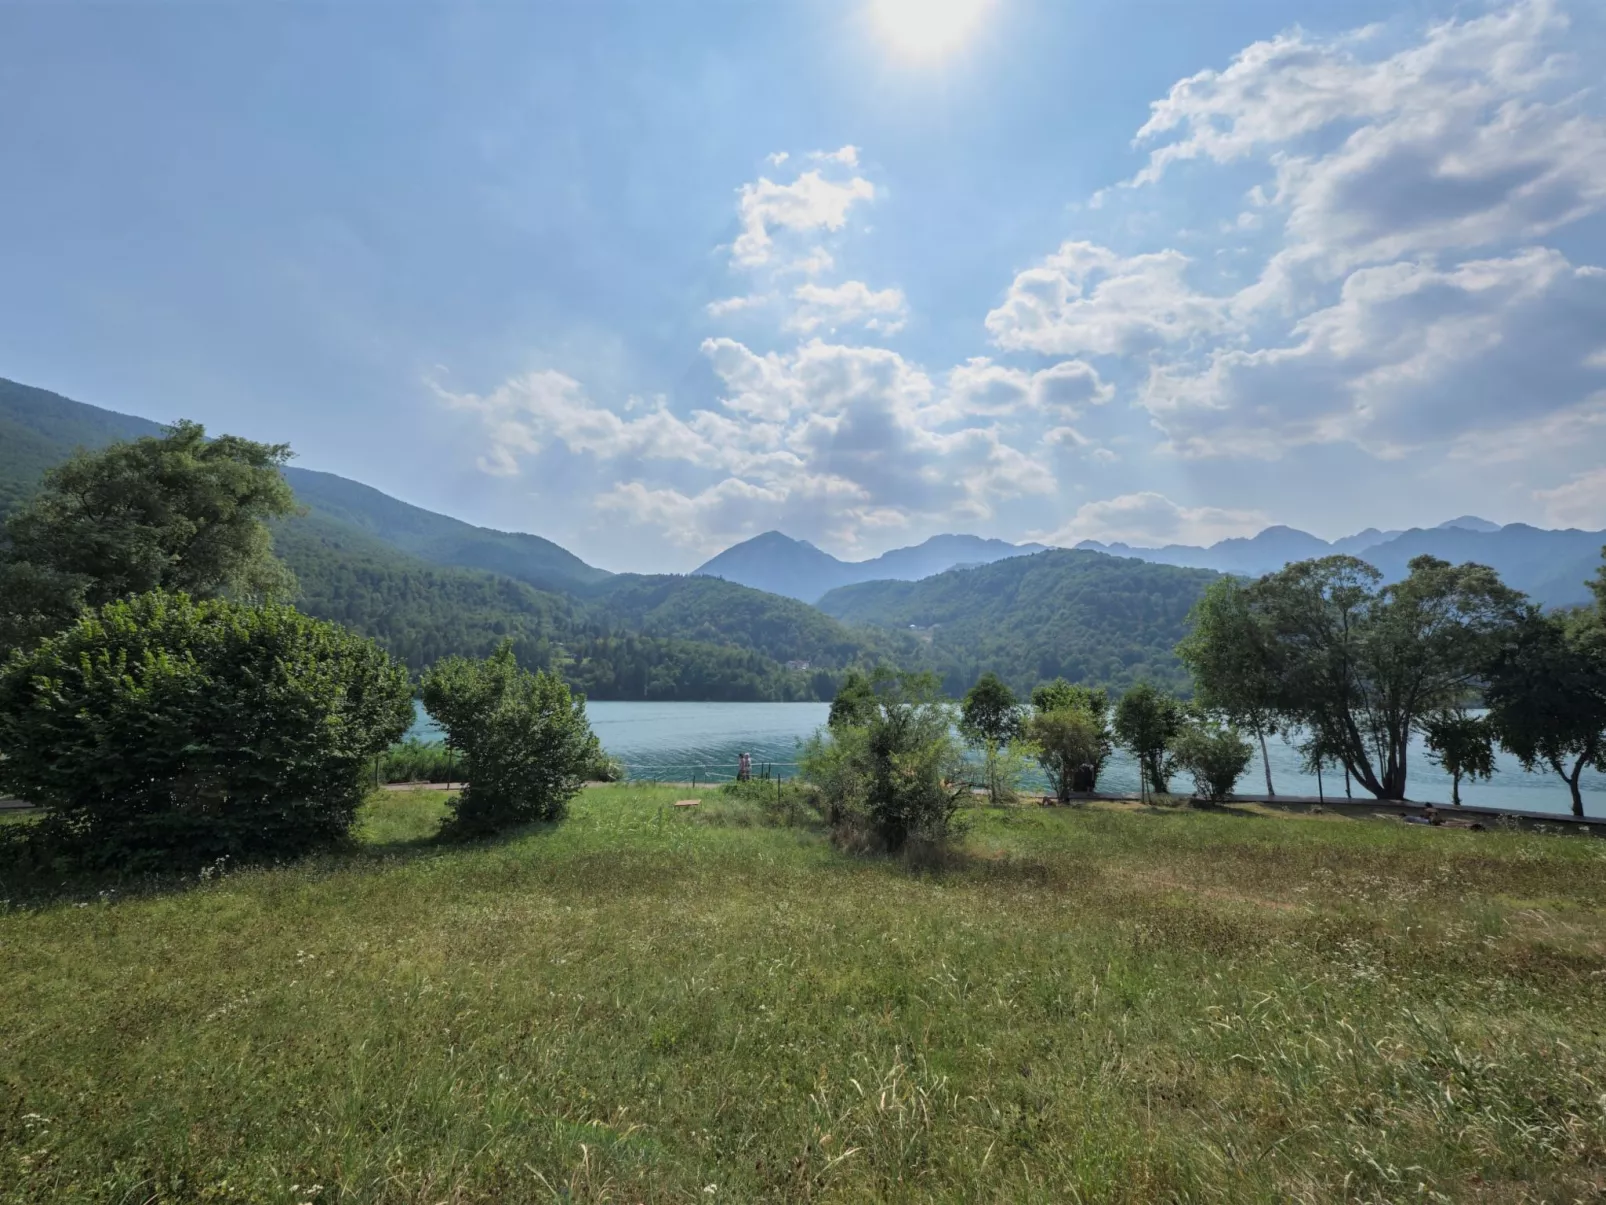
point(927, 28)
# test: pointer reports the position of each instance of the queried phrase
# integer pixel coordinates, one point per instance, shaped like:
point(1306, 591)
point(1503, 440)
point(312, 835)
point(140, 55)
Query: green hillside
point(1083, 615)
point(426, 585)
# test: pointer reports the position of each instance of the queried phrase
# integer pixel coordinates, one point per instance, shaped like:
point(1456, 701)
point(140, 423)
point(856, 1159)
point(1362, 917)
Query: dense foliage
point(523, 739)
point(1146, 723)
point(990, 719)
point(1323, 647)
point(1546, 692)
point(1083, 616)
point(1214, 755)
point(160, 731)
point(179, 512)
point(899, 775)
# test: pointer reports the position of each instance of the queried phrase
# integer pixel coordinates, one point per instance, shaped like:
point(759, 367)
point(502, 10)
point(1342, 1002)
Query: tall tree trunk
point(1572, 783)
point(1266, 762)
point(1455, 788)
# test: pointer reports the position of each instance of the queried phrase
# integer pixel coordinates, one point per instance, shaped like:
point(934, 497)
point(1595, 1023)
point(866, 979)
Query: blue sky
point(652, 278)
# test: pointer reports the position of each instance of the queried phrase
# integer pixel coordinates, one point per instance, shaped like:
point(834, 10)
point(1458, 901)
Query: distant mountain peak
point(1468, 523)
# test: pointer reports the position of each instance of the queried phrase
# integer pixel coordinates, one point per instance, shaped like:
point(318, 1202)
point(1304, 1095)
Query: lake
point(675, 742)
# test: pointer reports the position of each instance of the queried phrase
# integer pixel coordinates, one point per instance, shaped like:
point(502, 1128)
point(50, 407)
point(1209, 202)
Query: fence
point(707, 772)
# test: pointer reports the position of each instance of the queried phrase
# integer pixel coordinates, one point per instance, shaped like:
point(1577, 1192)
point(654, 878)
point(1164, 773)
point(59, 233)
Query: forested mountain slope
point(426, 585)
point(1084, 615)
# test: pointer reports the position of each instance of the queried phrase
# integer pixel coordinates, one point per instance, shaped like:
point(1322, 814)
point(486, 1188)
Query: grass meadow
point(651, 1004)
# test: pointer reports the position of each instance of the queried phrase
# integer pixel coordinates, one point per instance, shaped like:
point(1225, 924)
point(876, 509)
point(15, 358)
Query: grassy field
point(649, 1005)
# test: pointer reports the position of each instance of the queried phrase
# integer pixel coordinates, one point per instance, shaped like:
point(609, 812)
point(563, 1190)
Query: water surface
point(677, 742)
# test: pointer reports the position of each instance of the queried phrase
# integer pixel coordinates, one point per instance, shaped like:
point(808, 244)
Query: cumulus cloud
point(810, 203)
point(1088, 299)
point(1409, 355)
point(981, 387)
point(1149, 519)
point(1473, 135)
point(848, 304)
point(855, 432)
point(1580, 502)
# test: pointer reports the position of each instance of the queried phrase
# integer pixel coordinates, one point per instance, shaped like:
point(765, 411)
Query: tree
point(900, 772)
point(179, 513)
point(1146, 721)
point(1362, 665)
point(160, 731)
point(525, 742)
point(1091, 701)
point(990, 720)
point(1462, 744)
point(1215, 756)
point(855, 701)
point(1234, 663)
point(1066, 739)
point(1547, 695)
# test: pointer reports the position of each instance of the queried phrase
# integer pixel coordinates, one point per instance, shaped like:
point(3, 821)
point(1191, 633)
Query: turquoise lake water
point(675, 742)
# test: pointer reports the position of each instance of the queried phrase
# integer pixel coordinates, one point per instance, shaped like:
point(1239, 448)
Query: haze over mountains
point(798, 569)
point(1550, 566)
point(745, 624)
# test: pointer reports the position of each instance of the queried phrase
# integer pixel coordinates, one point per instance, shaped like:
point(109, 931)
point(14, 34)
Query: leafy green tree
point(1462, 744)
point(990, 720)
point(1547, 696)
point(162, 732)
point(1215, 755)
point(855, 702)
point(1066, 739)
point(1363, 665)
point(901, 771)
point(1146, 721)
point(180, 513)
point(1234, 662)
point(525, 743)
point(1091, 701)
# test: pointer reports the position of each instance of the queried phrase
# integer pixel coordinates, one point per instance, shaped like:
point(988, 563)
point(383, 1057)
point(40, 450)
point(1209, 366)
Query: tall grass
point(656, 1004)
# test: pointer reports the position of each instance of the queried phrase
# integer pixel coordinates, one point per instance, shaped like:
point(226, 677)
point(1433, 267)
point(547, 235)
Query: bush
point(786, 804)
point(1147, 720)
point(900, 772)
point(161, 733)
point(523, 738)
point(1216, 758)
point(1066, 739)
point(417, 761)
point(605, 768)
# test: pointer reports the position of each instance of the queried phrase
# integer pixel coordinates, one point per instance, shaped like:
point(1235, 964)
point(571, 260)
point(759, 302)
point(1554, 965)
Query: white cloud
point(847, 156)
point(848, 439)
point(982, 388)
point(1580, 502)
point(735, 305)
point(810, 203)
point(850, 303)
point(1148, 519)
point(1088, 299)
point(1409, 356)
point(1467, 138)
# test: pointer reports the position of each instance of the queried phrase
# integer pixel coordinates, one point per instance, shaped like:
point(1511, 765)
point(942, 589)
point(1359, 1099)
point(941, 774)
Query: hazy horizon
point(648, 280)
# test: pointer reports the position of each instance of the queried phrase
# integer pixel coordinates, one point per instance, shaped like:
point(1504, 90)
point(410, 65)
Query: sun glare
point(927, 28)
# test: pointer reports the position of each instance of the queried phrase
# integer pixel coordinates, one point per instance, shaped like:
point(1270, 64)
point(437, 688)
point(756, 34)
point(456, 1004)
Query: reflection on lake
point(673, 741)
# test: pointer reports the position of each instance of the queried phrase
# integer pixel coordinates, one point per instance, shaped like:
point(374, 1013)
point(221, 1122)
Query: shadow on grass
point(37, 872)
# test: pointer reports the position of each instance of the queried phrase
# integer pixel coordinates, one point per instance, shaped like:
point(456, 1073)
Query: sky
point(652, 278)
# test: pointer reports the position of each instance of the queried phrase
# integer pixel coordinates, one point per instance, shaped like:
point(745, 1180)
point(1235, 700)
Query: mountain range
point(1549, 566)
point(781, 565)
point(745, 625)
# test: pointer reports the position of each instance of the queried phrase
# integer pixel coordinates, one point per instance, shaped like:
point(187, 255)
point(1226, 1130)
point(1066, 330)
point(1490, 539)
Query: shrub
point(1215, 757)
point(901, 771)
point(990, 721)
point(1147, 720)
point(1066, 739)
point(417, 761)
point(161, 732)
point(523, 738)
